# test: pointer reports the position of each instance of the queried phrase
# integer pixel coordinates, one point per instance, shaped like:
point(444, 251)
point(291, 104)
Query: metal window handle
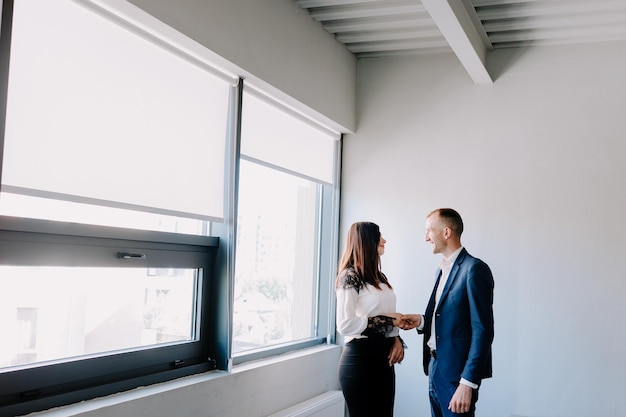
point(127, 255)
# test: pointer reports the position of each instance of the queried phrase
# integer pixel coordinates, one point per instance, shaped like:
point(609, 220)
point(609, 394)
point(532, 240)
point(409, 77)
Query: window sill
point(216, 391)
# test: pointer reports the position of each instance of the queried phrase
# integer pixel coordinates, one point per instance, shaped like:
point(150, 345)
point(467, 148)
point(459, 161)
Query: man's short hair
point(450, 218)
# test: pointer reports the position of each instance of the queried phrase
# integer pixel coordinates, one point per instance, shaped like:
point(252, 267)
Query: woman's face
point(381, 245)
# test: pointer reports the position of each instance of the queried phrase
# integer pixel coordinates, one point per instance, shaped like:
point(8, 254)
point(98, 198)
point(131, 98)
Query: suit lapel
point(431, 301)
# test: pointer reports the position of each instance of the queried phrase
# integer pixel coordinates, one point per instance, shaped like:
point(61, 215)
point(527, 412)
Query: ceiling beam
point(365, 10)
point(459, 24)
point(405, 21)
point(387, 46)
point(389, 36)
point(546, 8)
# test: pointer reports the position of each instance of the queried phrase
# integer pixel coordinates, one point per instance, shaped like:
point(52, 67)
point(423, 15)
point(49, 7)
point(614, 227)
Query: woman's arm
point(348, 323)
point(396, 355)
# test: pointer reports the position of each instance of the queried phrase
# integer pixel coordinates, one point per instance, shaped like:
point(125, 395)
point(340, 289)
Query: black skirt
point(367, 381)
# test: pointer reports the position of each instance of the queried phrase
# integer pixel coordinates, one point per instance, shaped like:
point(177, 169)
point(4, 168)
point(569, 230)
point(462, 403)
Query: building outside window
point(275, 274)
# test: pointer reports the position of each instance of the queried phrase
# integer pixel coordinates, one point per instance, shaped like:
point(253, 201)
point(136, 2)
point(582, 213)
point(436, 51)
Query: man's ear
point(447, 232)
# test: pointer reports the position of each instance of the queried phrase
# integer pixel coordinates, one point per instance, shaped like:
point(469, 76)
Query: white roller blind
point(100, 114)
point(276, 136)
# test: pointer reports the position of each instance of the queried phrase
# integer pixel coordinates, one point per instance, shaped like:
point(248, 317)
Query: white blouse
point(354, 307)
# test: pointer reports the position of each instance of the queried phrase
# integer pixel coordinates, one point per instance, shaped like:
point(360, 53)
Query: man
point(458, 322)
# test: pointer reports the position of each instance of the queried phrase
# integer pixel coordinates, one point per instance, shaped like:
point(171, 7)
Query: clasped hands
point(406, 321)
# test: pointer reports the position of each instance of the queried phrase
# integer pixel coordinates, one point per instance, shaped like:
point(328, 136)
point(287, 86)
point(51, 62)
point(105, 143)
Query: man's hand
point(410, 321)
point(461, 400)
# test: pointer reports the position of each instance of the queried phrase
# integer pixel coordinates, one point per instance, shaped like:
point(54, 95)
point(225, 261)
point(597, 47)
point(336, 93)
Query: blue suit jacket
point(464, 322)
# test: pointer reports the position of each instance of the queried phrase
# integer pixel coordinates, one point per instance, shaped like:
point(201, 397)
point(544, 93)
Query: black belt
point(433, 353)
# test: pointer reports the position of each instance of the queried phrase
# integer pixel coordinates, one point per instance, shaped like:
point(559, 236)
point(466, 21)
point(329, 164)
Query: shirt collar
point(448, 262)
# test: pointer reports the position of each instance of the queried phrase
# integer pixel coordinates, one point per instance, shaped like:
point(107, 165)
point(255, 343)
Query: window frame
point(29, 242)
point(327, 245)
point(317, 339)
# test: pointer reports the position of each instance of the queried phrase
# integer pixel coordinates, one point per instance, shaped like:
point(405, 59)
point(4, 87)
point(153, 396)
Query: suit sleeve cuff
point(421, 326)
point(468, 383)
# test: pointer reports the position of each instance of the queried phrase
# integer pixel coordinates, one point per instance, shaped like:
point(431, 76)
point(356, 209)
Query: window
point(93, 310)
point(276, 274)
point(113, 159)
point(88, 315)
point(144, 236)
point(286, 183)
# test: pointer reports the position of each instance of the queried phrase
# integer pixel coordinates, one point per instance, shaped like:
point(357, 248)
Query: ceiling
point(469, 28)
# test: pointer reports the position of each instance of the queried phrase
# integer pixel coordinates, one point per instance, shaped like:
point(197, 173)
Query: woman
point(367, 318)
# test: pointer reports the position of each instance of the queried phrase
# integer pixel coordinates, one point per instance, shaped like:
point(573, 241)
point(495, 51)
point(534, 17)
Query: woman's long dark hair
point(361, 254)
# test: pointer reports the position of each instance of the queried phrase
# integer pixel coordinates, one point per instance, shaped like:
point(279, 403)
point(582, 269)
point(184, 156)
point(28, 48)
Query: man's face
point(435, 233)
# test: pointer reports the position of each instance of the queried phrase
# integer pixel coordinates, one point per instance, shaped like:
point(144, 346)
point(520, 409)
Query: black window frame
point(37, 387)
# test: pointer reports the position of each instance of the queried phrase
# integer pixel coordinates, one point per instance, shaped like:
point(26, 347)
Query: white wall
point(535, 165)
point(275, 43)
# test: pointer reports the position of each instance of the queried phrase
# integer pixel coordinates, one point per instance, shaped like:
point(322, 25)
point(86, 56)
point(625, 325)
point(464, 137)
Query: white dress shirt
point(354, 308)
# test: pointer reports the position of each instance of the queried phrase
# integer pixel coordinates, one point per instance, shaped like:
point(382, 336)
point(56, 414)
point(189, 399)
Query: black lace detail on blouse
point(378, 326)
point(350, 279)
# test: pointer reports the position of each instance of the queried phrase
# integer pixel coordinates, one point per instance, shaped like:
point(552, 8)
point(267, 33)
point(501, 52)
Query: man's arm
point(480, 294)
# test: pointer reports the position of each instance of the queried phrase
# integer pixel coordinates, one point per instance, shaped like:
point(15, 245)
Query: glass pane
point(47, 209)
point(55, 313)
point(275, 274)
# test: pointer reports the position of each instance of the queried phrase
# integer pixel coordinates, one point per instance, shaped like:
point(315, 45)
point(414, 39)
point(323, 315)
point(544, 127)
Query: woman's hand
point(396, 355)
point(397, 318)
